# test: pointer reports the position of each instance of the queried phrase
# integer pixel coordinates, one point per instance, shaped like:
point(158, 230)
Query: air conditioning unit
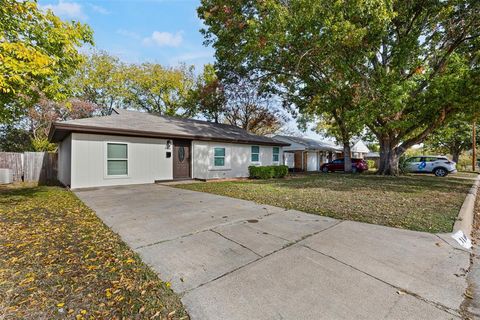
point(6, 176)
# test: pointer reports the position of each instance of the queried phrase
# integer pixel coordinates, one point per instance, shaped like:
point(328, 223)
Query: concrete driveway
point(234, 259)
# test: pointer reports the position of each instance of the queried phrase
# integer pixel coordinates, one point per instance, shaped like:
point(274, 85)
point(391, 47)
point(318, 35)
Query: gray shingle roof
point(311, 144)
point(123, 122)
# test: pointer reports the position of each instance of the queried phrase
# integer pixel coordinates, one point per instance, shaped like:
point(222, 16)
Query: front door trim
point(182, 159)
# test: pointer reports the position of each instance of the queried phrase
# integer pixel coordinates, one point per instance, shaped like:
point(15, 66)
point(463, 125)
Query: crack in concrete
point(229, 223)
point(241, 245)
point(261, 258)
point(417, 296)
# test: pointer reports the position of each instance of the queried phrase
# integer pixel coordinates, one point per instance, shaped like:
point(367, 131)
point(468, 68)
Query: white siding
point(147, 160)
point(237, 159)
point(64, 160)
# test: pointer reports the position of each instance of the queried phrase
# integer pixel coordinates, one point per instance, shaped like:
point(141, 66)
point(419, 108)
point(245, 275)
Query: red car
point(358, 165)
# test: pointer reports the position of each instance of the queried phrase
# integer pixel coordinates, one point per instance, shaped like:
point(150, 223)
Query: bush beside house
point(371, 164)
point(267, 172)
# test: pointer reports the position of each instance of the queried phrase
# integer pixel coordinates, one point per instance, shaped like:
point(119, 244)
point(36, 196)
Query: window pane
point(117, 167)
point(219, 162)
point(117, 150)
point(255, 149)
point(275, 157)
point(276, 150)
point(219, 152)
point(255, 157)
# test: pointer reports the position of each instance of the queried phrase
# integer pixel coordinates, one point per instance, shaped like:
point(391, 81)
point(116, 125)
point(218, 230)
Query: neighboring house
point(359, 150)
point(131, 147)
point(306, 154)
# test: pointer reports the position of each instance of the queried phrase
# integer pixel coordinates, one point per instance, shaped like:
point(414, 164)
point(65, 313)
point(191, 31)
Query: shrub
point(371, 164)
point(263, 172)
point(267, 172)
point(402, 163)
point(280, 171)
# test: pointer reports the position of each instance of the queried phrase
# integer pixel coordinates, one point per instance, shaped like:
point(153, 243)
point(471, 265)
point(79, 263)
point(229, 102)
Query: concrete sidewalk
point(234, 259)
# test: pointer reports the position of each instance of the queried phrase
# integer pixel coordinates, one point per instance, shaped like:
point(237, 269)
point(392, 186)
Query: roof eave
point(57, 126)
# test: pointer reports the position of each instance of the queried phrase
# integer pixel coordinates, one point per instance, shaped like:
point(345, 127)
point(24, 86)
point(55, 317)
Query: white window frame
point(224, 157)
point(117, 176)
point(259, 154)
point(273, 155)
point(226, 163)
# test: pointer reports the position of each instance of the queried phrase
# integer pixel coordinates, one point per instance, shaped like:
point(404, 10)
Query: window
point(255, 154)
point(219, 157)
point(117, 159)
point(276, 154)
point(414, 159)
point(338, 161)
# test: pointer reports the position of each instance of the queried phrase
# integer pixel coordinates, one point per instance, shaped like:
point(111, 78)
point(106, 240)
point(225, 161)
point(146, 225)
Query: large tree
point(15, 139)
point(41, 115)
point(249, 108)
point(402, 68)
point(421, 74)
point(155, 88)
point(100, 80)
point(38, 52)
point(208, 99)
point(453, 138)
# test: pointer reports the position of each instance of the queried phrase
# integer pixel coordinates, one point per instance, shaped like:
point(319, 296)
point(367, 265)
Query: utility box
point(6, 176)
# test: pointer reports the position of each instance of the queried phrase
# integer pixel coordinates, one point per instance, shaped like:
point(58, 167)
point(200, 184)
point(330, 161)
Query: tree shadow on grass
point(14, 194)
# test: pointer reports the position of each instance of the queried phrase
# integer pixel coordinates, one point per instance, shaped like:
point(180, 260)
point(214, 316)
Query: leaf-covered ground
point(59, 261)
point(416, 202)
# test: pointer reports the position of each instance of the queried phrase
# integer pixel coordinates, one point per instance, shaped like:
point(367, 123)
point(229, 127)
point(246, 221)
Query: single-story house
point(129, 147)
point(359, 150)
point(304, 154)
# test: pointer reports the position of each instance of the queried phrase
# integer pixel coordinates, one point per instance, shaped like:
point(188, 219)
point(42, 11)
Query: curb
point(464, 219)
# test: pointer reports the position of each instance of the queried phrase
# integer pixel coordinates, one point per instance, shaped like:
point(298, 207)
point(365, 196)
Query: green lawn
point(416, 202)
point(59, 261)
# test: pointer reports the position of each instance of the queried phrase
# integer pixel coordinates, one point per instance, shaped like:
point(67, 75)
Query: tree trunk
point(345, 134)
point(347, 157)
point(389, 158)
point(455, 156)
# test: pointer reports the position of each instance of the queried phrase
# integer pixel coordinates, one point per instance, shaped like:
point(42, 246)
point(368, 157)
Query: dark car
point(358, 165)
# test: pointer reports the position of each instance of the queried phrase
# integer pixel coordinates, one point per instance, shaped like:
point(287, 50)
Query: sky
point(159, 31)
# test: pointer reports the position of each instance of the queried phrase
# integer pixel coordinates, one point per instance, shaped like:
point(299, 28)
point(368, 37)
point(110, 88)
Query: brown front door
point(181, 159)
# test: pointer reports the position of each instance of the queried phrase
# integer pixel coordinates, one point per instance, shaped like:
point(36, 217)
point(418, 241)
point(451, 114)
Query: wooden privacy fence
point(31, 166)
point(13, 161)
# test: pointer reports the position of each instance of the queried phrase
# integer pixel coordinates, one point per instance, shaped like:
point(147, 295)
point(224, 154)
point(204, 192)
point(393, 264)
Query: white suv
point(438, 165)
